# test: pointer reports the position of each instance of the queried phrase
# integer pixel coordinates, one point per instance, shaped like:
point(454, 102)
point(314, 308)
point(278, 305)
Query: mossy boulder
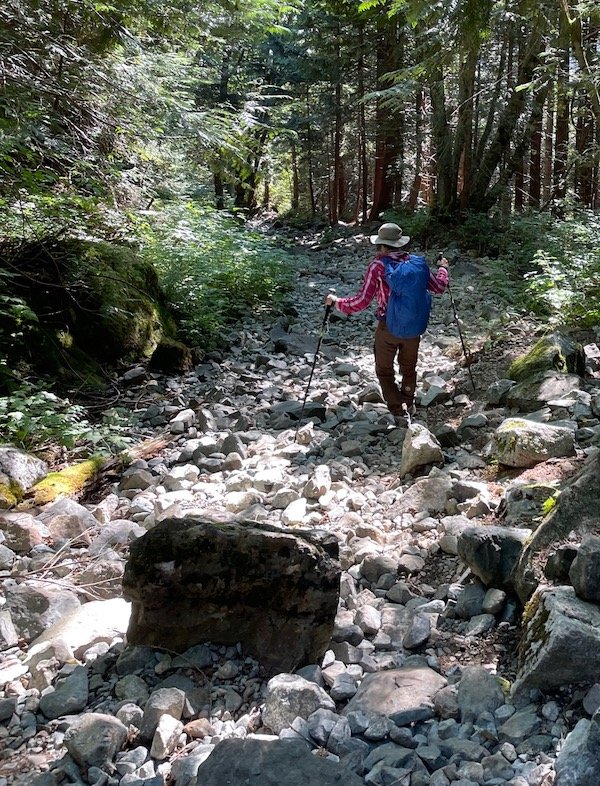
point(556, 352)
point(90, 304)
point(534, 392)
point(10, 495)
point(19, 471)
point(129, 313)
point(172, 356)
point(523, 443)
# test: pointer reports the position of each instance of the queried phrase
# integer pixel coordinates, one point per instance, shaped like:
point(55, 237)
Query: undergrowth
point(213, 269)
point(543, 265)
point(33, 419)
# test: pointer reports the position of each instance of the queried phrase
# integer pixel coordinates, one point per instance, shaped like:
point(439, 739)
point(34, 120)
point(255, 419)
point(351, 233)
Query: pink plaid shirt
point(374, 284)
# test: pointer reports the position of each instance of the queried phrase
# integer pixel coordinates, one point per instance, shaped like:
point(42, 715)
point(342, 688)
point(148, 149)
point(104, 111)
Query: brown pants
point(386, 348)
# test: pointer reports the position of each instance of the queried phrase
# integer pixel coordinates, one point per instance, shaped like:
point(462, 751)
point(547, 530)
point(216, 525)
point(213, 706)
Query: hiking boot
point(400, 421)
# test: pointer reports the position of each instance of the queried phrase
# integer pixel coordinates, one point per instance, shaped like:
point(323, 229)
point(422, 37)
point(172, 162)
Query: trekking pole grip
point(329, 306)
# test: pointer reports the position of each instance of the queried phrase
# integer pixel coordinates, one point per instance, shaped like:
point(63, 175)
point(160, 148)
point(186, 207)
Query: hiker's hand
point(443, 262)
point(330, 299)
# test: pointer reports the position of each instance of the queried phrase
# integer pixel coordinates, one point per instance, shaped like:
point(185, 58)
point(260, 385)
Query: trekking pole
point(466, 352)
point(312, 370)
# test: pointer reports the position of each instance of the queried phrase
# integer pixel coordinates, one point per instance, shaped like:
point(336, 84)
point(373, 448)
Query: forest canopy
point(337, 110)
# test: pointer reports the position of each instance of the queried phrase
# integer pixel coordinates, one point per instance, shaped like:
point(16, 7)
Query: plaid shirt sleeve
point(438, 281)
point(372, 285)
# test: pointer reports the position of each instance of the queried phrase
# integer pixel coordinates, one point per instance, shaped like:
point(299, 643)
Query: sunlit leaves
point(213, 270)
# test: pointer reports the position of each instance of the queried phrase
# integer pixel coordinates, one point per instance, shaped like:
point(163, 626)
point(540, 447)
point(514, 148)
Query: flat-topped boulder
point(195, 580)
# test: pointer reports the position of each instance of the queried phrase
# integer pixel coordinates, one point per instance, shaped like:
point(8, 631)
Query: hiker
point(400, 324)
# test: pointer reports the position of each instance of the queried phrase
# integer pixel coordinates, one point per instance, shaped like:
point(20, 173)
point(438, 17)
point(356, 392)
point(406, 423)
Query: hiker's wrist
point(443, 262)
point(331, 300)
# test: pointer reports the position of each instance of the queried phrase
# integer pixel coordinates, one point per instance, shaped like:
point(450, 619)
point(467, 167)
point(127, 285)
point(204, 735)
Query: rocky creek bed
point(416, 686)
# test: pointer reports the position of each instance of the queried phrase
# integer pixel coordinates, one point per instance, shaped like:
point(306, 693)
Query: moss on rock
point(129, 312)
point(171, 356)
point(65, 482)
point(10, 495)
point(91, 304)
point(555, 352)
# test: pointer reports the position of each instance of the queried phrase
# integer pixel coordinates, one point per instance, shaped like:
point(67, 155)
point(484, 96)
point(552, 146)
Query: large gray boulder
point(81, 627)
point(21, 531)
point(19, 467)
point(578, 761)
point(419, 448)
point(196, 580)
point(290, 696)
point(560, 642)
point(519, 442)
point(479, 691)
point(534, 392)
point(94, 739)
point(67, 519)
point(428, 494)
point(35, 606)
point(405, 695)
point(576, 511)
point(260, 762)
point(68, 695)
point(492, 552)
point(585, 569)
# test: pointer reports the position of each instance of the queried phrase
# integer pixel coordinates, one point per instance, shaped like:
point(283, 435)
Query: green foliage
point(16, 321)
point(33, 418)
point(539, 263)
point(565, 282)
point(213, 269)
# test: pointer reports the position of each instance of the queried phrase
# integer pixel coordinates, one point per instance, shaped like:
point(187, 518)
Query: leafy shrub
point(541, 264)
point(16, 321)
point(32, 418)
point(565, 281)
point(417, 224)
point(213, 269)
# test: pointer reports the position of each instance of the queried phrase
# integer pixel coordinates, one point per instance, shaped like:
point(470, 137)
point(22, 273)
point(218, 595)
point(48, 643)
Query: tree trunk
point(548, 149)
point(386, 137)
point(362, 187)
point(415, 189)
point(217, 170)
point(506, 56)
point(309, 155)
point(535, 164)
point(574, 23)
point(519, 186)
point(515, 160)
point(482, 196)
point(561, 137)
point(462, 157)
point(295, 179)
point(445, 193)
point(336, 185)
point(583, 145)
point(588, 124)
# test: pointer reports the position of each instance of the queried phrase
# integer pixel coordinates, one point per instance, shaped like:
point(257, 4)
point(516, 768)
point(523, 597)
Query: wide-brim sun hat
point(390, 235)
